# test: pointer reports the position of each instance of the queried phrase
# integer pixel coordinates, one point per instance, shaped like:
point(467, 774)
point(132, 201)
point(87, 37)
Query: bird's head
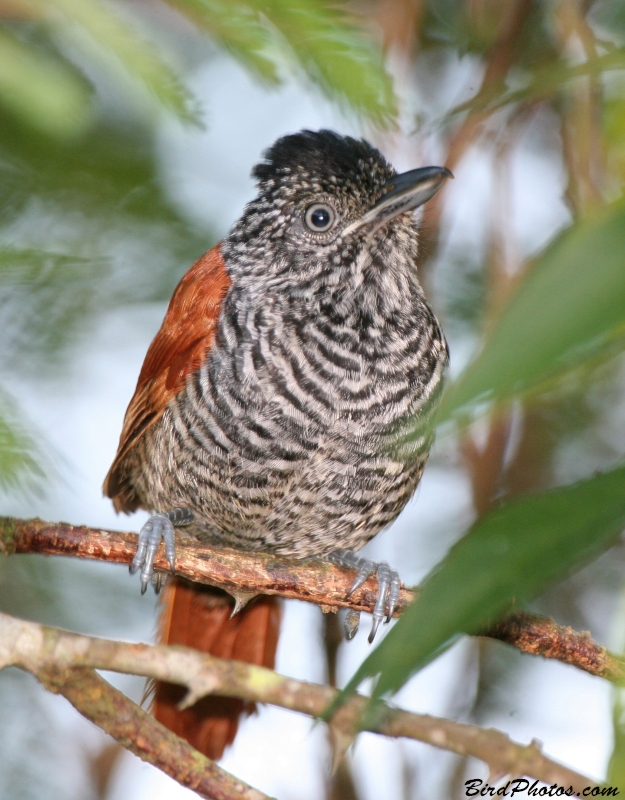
point(324, 201)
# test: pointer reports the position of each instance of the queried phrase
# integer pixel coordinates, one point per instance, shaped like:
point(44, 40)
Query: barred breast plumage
point(306, 426)
point(286, 400)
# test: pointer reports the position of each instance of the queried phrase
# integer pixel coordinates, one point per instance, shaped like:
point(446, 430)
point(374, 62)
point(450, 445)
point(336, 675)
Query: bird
point(286, 403)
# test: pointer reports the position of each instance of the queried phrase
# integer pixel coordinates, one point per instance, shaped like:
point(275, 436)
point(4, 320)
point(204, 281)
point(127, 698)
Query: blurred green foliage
point(81, 191)
point(41, 83)
point(41, 89)
point(565, 316)
point(20, 460)
point(507, 557)
point(74, 196)
point(569, 308)
point(334, 54)
point(72, 216)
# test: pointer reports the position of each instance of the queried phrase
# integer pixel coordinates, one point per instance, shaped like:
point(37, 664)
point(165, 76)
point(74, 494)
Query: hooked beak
point(402, 193)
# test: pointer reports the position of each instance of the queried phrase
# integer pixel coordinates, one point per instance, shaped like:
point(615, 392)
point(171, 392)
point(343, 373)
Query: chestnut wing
point(178, 349)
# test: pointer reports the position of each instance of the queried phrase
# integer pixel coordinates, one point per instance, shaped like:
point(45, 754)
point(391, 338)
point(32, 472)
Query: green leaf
point(139, 58)
point(41, 90)
point(319, 37)
point(335, 54)
point(19, 456)
point(614, 143)
point(509, 556)
point(100, 234)
point(238, 27)
point(569, 306)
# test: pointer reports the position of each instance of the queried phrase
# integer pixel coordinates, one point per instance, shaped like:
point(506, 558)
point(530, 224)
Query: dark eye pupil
point(320, 217)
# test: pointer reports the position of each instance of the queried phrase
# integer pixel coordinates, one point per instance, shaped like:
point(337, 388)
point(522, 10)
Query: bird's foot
point(159, 527)
point(389, 585)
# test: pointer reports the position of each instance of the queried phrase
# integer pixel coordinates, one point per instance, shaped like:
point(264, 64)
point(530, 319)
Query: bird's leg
point(159, 527)
point(389, 585)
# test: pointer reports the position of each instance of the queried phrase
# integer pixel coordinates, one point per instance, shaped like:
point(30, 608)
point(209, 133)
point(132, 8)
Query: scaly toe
point(366, 570)
point(389, 586)
point(383, 574)
point(142, 547)
point(393, 597)
point(157, 529)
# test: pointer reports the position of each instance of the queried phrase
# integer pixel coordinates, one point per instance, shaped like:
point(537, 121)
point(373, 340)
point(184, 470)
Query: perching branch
point(240, 572)
point(236, 571)
point(65, 662)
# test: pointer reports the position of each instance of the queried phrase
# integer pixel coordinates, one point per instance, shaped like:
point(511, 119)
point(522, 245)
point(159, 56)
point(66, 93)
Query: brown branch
point(71, 658)
point(540, 636)
point(236, 571)
point(138, 731)
point(319, 582)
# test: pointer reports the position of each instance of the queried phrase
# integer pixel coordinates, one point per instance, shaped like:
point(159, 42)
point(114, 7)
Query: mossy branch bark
point(246, 573)
point(65, 663)
point(136, 730)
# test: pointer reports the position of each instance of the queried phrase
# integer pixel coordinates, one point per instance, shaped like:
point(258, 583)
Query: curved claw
point(393, 597)
point(367, 568)
point(142, 547)
point(158, 581)
point(383, 574)
point(389, 587)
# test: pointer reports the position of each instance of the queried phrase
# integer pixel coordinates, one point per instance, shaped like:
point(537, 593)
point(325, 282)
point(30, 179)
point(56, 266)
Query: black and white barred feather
point(308, 425)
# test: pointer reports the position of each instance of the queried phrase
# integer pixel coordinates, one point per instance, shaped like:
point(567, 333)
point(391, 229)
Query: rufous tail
point(199, 616)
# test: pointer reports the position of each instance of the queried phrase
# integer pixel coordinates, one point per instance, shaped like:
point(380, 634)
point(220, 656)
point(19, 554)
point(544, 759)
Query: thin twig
point(39, 650)
point(541, 636)
point(319, 582)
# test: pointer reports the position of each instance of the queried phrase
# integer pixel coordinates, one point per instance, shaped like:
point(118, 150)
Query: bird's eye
point(320, 217)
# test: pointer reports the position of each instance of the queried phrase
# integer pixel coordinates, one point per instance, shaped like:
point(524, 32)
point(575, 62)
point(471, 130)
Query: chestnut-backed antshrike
point(285, 404)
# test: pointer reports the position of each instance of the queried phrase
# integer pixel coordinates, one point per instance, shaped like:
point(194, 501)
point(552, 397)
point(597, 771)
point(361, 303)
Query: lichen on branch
point(249, 573)
point(65, 663)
